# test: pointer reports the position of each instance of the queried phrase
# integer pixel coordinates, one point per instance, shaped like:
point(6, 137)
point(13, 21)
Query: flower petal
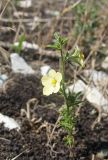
point(52, 73)
point(45, 80)
point(56, 88)
point(58, 77)
point(48, 90)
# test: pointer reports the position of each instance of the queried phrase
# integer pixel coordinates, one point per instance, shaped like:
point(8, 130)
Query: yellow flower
point(51, 82)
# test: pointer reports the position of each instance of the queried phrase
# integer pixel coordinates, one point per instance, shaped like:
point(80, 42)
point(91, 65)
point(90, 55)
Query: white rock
point(97, 77)
point(92, 94)
point(27, 45)
point(25, 3)
point(105, 63)
point(19, 65)
point(36, 19)
point(52, 13)
point(96, 98)
point(19, 13)
point(9, 123)
point(103, 45)
point(44, 70)
point(79, 86)
point(3, 77)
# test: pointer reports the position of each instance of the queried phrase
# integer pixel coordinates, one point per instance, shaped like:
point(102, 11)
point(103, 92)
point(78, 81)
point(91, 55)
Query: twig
point(4, 139)
point(27, 111)
point(5, 54)
point(18, 155)
point(55, 126)
point(4, 9)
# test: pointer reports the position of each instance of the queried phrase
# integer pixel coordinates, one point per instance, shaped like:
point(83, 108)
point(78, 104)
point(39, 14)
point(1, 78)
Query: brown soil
point(31, 142)
point(17, 91)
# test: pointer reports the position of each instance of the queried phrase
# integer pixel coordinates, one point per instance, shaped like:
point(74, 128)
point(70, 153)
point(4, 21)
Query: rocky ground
point(85, 24)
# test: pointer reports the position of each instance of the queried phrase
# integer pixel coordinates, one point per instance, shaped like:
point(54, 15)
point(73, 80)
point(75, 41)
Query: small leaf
point(76, 57)
point(59, 42)
point(20, 44)
point(69, 140)
point(54, 46)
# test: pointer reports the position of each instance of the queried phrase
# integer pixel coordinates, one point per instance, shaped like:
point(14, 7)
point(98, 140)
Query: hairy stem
point(62, 68)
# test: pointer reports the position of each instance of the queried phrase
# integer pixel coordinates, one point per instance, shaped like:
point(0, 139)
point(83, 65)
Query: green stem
point(62, 67)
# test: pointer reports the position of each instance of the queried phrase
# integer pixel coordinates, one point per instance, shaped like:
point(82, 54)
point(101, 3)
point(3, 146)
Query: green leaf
point(69, 140)
point(54, 46)
point(59, 42)
point(20, 44)
point(76, 57)
point(74, 99)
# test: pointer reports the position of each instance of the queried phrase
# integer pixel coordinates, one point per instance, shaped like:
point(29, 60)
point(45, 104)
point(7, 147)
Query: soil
point(31, 141)
point(14, 96)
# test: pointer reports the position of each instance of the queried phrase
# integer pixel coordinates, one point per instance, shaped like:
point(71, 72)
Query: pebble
point(8, 122)
point(19, 65)
point(105, 64)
